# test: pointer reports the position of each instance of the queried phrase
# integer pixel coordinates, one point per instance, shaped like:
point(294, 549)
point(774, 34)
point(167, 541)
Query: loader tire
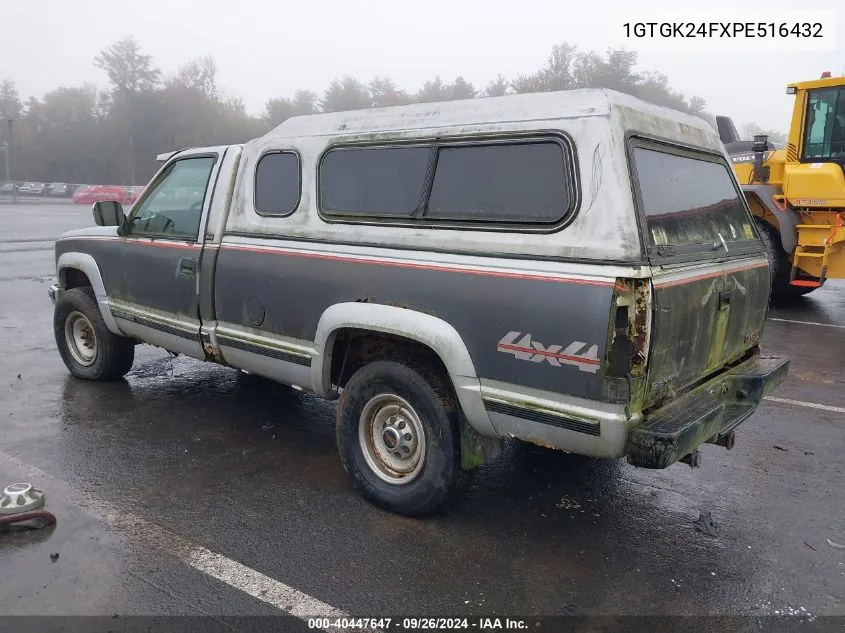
point(779, 264)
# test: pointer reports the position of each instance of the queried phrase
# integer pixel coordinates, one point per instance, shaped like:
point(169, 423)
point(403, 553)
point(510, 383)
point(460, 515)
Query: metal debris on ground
point(706, 525)
point(780, 448)
point(835, 545)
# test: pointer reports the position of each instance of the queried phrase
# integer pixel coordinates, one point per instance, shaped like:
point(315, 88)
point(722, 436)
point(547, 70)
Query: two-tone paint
point(522, 320)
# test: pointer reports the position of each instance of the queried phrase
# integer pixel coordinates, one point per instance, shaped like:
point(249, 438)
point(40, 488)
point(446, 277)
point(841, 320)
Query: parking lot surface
point(191, 489)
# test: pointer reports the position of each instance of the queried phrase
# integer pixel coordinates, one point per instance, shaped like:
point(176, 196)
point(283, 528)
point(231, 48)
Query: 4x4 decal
point(527, 349)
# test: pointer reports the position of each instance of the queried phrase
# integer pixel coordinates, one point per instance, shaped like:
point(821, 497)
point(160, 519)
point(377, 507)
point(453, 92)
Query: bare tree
point(199, 74)
point(776, 138)
point(10, 102)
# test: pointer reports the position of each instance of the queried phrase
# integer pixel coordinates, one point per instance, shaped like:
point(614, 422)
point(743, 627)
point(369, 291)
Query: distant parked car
point(31, 189)
point(99, 193)
point(7, 188)
point(58, 190)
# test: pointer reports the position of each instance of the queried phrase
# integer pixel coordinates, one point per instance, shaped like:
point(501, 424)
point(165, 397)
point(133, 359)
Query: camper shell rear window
point(689, 203)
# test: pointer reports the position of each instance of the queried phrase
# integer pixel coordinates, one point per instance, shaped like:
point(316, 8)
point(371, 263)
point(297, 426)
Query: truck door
point(158, 295)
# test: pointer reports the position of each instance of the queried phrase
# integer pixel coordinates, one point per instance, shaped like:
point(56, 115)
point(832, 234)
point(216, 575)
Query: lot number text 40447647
point(417, 624)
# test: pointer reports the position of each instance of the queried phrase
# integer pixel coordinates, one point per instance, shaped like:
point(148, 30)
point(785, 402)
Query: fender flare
point(787, 218)
point(86, 264)
point(429, 330)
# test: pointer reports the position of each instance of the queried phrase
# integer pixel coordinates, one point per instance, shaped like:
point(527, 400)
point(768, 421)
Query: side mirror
point(109, 213)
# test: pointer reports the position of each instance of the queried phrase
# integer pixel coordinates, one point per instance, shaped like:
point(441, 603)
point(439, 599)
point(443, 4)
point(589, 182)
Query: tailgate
point(710, 274)
point(705, 318)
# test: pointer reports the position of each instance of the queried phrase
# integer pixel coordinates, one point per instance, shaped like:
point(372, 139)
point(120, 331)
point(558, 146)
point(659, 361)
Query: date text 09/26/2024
point(417, 624)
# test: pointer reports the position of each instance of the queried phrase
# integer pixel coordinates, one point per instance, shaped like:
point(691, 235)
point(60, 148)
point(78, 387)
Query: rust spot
point(542, 444)
point(211, 355)
point(629, 336)
point(638, 329)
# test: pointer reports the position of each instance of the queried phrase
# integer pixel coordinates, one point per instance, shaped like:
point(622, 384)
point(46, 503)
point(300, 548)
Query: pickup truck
point(576, 269)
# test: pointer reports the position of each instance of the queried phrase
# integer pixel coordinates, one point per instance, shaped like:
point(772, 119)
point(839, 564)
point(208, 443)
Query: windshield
point(825, 125)
point(690, 201)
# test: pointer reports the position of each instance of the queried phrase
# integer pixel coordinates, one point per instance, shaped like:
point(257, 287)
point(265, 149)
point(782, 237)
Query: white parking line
point(841, 327)
point(810, 405)
point(243, 578)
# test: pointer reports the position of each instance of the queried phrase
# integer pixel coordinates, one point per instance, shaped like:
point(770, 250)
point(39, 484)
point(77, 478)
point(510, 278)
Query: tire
point(399, 401)
point(88, 349)
point(779, 264)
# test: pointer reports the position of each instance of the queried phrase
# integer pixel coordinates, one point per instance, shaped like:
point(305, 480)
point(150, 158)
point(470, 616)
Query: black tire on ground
point(89, 350)
point(434, 407)
point(779, 264)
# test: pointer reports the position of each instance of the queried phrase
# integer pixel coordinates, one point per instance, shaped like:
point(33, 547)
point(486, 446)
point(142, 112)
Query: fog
point(264, 50)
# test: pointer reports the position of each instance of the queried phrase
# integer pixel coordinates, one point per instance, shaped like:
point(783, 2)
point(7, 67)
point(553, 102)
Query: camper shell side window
point(278, 183)
point(522, 183)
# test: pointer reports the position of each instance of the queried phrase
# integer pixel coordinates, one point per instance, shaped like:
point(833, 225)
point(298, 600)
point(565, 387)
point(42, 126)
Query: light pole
point(8, 171)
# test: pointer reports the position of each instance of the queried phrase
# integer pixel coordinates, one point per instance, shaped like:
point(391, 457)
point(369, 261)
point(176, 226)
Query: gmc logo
point(529, 350)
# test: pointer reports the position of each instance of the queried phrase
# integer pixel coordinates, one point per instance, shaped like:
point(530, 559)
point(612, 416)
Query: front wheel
point(398, 437)
point(87, 347)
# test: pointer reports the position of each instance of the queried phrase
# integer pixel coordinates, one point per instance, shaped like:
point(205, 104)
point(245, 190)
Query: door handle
point(187, 266)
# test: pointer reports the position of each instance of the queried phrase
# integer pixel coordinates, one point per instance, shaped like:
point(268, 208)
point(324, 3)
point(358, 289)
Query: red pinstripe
point(433, 267)
point(686, 280)
point(516, 348)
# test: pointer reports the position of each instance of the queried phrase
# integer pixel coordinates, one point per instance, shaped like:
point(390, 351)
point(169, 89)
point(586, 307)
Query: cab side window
point(173, 208)
point(825, 126)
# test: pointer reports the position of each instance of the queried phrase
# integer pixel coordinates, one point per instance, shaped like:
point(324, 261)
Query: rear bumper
point(704, 415)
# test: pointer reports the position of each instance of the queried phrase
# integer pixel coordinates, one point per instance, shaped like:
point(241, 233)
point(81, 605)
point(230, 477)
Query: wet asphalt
point(249, 470)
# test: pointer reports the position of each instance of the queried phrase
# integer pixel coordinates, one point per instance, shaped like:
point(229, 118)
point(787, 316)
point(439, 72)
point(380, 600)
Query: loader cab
point(824, 126)
point(817, 129)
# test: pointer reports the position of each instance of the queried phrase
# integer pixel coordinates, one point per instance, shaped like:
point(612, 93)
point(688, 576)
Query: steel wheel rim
point(81, 338)
point(392, 439)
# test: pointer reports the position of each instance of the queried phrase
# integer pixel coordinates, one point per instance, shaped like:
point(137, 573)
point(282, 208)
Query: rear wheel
point(398, 437)
point(88, 348)
point(779, 264)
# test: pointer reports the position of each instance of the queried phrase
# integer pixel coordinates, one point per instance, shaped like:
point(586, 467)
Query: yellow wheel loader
point(797, 193)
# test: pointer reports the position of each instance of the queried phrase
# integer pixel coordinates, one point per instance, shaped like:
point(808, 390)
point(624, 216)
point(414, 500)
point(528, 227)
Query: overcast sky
point(270, 48)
